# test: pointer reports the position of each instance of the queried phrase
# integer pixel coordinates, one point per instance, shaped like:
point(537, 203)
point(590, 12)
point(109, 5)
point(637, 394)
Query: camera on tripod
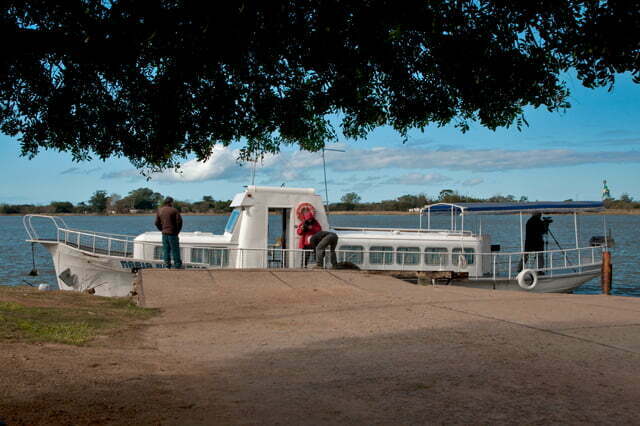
point(546, 221)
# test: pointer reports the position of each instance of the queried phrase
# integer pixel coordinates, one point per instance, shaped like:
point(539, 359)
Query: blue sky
point(559, 156)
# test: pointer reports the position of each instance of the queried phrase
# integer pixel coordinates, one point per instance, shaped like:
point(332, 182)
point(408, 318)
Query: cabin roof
point(516, 207)
point(403, 234)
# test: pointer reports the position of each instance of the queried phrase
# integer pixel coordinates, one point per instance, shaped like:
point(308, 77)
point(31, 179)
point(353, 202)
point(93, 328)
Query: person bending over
point(320, 241)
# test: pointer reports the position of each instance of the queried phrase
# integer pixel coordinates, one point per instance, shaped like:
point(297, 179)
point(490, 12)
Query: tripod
point(564, 253)
point(554, 239)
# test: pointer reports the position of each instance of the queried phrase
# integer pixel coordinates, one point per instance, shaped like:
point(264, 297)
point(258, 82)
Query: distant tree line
point(624, 202)
point(145, 200)
point(351, 201)
point(141, 200)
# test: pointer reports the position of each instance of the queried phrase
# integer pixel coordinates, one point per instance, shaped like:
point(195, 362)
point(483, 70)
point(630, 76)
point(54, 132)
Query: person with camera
point(307, 229)
point(537, 226)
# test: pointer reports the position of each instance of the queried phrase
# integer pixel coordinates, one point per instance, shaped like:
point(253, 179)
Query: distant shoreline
point(352, 213)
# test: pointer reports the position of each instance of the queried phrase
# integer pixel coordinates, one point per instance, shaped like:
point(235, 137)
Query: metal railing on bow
point(110, 244)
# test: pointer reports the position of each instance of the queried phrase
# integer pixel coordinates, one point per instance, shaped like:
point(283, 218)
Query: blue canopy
point(516, 207)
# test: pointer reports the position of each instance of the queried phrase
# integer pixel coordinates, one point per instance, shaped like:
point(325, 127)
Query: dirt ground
point(337, 348)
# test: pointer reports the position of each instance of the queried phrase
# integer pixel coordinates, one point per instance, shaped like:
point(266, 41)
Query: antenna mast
point(324, 167)
point(253, 171)
point(326, 191)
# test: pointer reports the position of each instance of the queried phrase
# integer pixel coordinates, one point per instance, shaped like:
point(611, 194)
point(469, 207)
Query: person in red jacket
point(306, 229)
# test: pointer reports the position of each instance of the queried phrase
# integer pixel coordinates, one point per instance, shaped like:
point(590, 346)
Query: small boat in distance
point(107, 263)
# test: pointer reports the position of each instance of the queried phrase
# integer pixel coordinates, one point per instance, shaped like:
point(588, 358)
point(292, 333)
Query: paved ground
point(243, 347)
point(345, 347)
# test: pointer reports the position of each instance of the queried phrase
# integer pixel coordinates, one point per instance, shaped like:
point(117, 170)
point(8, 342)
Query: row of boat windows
point(210, 256)
point(383, 255)
point(377, 255)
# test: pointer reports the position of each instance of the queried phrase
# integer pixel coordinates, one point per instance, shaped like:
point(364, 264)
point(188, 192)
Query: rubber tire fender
point(522, 279)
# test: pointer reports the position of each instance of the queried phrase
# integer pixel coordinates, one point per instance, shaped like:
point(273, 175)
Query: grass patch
point(28, 315)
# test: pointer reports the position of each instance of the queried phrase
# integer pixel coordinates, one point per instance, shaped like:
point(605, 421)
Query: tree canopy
point(351, 198)
point(155, 81)
point(99, 201)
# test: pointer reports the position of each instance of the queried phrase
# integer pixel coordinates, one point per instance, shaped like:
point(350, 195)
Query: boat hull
point(565, 283)
point(113, 276)
point(109, 276)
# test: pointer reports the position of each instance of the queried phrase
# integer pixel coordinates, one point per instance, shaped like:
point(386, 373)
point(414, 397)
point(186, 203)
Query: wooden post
point(607, 272)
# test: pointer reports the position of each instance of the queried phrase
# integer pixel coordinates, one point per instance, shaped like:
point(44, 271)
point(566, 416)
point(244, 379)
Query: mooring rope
point(34, 271)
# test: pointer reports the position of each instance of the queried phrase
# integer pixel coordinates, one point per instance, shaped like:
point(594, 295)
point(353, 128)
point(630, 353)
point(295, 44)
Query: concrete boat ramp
point(347, 347)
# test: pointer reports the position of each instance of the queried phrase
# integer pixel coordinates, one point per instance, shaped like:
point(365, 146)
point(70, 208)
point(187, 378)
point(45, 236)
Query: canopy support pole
point(521, 235)
point(575, 225)
point(452, 229)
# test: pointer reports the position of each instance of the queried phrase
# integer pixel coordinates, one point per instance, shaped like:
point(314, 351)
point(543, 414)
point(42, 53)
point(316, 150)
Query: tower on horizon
point(605, 190)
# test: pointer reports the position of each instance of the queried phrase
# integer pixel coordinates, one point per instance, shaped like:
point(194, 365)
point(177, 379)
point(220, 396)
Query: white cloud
point(485, 160)
point(129, 173)
point(473, 182)
point(221, 164)
point(293, 167)
point(419, 179)
point(69, 171)
point(79, 171)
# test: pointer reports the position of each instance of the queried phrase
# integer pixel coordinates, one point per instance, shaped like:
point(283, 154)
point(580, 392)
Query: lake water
point(16, 254)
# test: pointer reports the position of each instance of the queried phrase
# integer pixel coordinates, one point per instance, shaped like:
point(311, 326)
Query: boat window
point(215, 256)
point(351, 254)
point(468, 256)
point(157, 252)
point(408, 255)
point(435, 256)
point(231, 223)
point(379, 255)
point(159, 255)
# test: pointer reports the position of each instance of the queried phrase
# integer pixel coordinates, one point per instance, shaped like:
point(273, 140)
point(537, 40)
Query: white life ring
point(527, 275)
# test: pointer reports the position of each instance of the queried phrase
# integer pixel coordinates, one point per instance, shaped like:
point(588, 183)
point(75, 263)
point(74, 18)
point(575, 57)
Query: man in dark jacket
point(169, 221)
point(320, 241)
point(534, 241)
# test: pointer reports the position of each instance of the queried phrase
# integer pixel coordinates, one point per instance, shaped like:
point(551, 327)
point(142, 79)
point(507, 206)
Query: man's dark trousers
point(171, 249)
point(329, 240)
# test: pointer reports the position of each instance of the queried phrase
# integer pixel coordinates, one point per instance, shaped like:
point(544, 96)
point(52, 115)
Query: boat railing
point(490, 266)
point(94, 242)
point(97, 243)
point(27, 220)
point(550, 262)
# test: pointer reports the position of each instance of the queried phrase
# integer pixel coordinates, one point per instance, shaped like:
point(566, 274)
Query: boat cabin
point(249, 235)
point(252, 240)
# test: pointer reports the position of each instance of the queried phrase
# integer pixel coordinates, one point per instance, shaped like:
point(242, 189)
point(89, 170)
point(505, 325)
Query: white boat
point(106, 263)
